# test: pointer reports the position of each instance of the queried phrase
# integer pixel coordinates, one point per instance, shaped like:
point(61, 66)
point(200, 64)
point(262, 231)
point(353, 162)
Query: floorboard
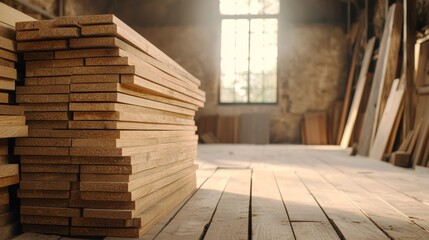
point(295, 192)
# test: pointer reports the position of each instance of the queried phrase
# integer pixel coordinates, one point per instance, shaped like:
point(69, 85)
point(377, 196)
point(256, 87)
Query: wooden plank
point(230, 220)
point(144, 106)
point(342, 212)
point(46, 116)
point(40, 142)
point(7, 44)
point(199, 208)
point(137, 92)
point(151, 175)
point(11, 110)
point(358, 95)
point(10, 15)
point(127, 126)
point(48, 33)
point(313, 230)
point(387, 218)
point(13, 131)
point(108, 134)
point(45, 107)
point(6, 63)
point(118, 143)
point(316, 128)
point(47, 81)
point(55, 212)
point(7, 84)
point(117, 28)
point(51, 98)
point(110, 78)
point(39, 55)
point(11, 56)
point(371, 117)
point(139, 192)
point(9, 180)
point(76, 62)
point(394, 41)
point(350, 80)
point(132, 51)
point(44, 185)
point(8, 170)
point(4, 97)
point(38, 176)
point(269, 218)
point(143, 204)
point(12, 120)
point(84, 53)
point(47, 45)
point(391, 112)
point(43, 220)
point(135, 163)
point(132, 117)
point(409, 39)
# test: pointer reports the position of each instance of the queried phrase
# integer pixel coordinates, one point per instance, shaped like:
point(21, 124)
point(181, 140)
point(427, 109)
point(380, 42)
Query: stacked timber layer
point(112, 141)
point(12, 121)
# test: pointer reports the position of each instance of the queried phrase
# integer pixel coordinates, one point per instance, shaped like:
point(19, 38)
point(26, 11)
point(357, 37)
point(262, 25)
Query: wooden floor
point(298, 192)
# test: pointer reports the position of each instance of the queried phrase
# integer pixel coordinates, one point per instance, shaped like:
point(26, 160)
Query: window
point(249, 51)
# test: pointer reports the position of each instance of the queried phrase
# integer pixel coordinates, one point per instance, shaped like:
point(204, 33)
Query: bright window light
point(249, 51)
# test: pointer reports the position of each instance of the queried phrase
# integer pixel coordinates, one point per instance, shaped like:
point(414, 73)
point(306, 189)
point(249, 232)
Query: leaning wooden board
point(110, 117)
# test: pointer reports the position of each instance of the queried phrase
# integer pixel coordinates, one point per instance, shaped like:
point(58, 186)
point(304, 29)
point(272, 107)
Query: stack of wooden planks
point(112, 141)
point(12, 121)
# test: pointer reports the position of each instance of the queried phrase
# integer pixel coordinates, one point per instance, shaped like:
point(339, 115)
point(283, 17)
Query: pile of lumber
point(386, 117)
point(112, 140)
point(12, 121)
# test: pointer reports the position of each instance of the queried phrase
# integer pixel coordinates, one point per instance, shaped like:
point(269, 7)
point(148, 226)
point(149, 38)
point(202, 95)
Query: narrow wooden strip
point(199, 208)
point(230, 220)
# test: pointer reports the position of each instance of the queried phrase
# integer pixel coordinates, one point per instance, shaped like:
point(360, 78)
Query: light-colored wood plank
point(269, 218)
point(386, 128)
point(358, 95)
point(231, 219)
point(190, 222)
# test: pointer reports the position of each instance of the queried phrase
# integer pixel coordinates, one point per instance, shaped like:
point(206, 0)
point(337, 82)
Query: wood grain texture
point(358, 95)
point(269, 218)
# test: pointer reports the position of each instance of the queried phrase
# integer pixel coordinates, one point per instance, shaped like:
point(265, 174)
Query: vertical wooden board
point(387, 121)
point(389, 75)
point(269, 218)
point(371, 116)
point(350, 80)
point(358, 95)
point(227, 129)
point(231, 217)
point(316, 124)
point(190, 222)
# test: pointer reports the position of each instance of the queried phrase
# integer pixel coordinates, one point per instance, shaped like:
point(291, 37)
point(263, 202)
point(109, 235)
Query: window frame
point(249, 17)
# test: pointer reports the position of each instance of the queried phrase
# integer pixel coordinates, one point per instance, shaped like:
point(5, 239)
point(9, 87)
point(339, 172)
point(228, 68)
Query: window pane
point(254, 7)
point(249, 63)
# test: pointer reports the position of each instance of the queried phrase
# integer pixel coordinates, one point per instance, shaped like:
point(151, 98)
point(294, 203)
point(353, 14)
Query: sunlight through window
point(249, 51)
